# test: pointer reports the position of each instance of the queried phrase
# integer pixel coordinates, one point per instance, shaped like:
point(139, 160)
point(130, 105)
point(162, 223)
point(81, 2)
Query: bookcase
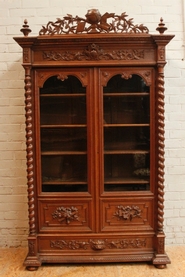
point(94, 106)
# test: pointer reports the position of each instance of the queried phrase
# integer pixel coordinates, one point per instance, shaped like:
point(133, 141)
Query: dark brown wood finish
point(94, 102)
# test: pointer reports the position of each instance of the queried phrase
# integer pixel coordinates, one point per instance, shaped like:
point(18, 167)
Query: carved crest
point(93, 23)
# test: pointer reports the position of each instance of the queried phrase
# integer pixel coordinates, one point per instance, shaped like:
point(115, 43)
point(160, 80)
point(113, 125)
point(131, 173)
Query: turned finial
point(161, 27)
point(25, 30)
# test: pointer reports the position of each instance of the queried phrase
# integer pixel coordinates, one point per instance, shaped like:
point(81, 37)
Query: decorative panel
point(123, 214)
point(68, 216)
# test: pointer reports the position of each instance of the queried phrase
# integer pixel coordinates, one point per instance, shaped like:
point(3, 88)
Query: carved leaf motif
point(66, 214)
point(126, 75)
point(94, 52)
point(98, 244)
point(73, 244)
point(62, 77)
point(127, 212)
point(93, 23)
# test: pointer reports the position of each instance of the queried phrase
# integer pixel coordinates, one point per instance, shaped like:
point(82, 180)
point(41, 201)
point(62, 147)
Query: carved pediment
point(93, 22)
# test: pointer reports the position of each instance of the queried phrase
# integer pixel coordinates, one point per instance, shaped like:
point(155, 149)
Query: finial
point(161, 29)
point(25, 30)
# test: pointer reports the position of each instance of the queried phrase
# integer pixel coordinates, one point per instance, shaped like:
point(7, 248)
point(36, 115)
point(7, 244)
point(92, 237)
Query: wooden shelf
point(63, 95)
point(132, 152)
point(55, 153)
point(67, 182)
point(126, 181)
point(126, 94)
point(63, 126)
point(127, 125)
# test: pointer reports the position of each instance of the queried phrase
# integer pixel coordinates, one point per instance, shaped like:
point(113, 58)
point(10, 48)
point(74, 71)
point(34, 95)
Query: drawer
point(65, 215)
point(122, 215)
point(95, 244)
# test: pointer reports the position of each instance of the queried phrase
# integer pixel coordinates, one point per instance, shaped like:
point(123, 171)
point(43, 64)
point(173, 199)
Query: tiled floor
point(11, 266)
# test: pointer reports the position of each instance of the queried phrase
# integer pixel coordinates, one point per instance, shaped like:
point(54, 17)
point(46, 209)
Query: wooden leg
point(32, 268)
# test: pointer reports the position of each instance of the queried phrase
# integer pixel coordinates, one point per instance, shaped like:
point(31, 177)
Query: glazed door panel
point(62, 127)
point(65, 160)
point(126, 130)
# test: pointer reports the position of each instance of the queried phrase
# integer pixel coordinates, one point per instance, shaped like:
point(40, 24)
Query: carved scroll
point(93, 23)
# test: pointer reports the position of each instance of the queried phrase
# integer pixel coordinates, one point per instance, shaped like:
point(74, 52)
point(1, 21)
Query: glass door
point(63, 134)
point(126, 129)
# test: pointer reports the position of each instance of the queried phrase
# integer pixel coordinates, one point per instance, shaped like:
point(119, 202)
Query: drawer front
point(65, 215)
point(95, 244)
point(123, 215)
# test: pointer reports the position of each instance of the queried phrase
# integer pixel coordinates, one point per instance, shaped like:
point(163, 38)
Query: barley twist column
point(160, 138)
point(29, 150)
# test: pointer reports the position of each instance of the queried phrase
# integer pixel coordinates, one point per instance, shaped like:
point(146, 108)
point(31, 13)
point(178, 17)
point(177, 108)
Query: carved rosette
point(93, 23)
point(66, 215)
point(29, 150)
point(127, 212)
point(98, 244)
point(160, 138)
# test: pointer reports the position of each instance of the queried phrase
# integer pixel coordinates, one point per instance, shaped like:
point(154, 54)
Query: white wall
point(13, 197)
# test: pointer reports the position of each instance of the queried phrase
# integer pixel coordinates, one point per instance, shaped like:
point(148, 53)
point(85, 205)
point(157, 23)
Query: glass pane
point(55, 86)
point(64, 188)
point(123, 172)
point(119, 84)
point(66, 139)
point(63, 110)
point(126, 109)
point(64, 172)
point(126, 138)
point(126, 106)
point(63, 135)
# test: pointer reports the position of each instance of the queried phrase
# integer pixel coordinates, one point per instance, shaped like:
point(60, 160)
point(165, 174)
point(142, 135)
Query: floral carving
point(73, 244)
point(31, 246)
point(26, 55)
point(127, 213)
point(94, 52)
point(127, 243)
point(66, 214)
point(93, 23)
point(126, 75)
point(62, 77)
point(98, 244)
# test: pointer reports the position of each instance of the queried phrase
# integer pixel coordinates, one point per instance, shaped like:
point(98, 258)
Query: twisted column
point(160, 142)
point(29, 150)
